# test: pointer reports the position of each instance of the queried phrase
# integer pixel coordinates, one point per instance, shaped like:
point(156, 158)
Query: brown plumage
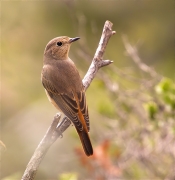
point(64, 87)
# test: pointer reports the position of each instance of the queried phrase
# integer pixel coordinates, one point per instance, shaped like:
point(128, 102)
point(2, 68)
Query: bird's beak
point(73, 39)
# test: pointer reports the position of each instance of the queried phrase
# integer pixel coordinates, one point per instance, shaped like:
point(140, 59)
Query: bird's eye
point(59, 43)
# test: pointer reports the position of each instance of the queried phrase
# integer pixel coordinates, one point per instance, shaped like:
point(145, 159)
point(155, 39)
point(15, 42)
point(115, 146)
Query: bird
point(64, 87)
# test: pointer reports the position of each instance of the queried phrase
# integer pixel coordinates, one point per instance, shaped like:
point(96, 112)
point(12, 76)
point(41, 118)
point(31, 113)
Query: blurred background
point(131, 110)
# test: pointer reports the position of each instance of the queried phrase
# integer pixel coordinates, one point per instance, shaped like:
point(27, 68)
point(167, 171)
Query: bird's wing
point(84, 108)
point(66, 102)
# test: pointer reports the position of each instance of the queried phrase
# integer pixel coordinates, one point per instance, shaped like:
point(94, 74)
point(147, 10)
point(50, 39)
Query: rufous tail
point(85, 140)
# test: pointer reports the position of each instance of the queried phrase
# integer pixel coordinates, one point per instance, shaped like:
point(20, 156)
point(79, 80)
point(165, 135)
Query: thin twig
point(56, 129)
point(132, 52)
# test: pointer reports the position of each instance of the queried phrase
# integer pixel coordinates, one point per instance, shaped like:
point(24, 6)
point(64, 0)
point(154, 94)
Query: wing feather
point(84, 108)
point(68, 104)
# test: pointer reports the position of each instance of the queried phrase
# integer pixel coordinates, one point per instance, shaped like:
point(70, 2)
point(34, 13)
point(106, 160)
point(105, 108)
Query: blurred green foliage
point(27, 26)
point(166, 89)
point(68, 176)
point(151, 108)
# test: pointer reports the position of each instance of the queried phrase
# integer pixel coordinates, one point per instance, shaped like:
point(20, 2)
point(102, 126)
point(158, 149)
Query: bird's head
point(58, 48)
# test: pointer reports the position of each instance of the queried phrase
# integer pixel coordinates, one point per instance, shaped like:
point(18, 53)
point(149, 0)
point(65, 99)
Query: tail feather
point(85, 140)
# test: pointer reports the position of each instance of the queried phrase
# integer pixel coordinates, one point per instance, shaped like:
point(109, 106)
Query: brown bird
point(64, 87)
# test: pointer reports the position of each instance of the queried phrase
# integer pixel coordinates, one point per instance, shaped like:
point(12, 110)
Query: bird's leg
point(63, 124)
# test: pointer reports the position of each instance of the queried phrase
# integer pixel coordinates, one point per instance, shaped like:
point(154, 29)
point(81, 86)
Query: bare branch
point(49, 138)
point(56, 129)
point(132, 52)
point(97, 61)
